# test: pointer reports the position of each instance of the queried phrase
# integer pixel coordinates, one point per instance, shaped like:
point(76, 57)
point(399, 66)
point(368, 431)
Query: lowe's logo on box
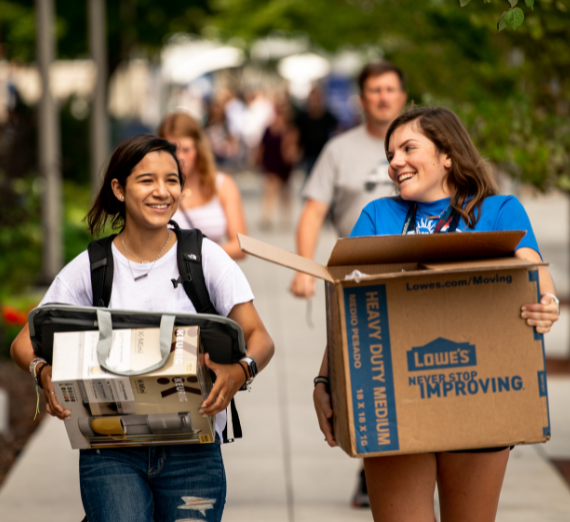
point(441, 353)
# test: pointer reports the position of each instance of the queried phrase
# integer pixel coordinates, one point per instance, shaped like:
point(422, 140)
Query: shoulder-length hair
point(182, 125)
point(470, 176)
point(125, 158)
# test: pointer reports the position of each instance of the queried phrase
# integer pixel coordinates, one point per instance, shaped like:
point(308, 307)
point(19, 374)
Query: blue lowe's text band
point(372, 381)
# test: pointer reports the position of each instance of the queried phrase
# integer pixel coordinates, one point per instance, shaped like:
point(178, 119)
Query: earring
point(121, 198)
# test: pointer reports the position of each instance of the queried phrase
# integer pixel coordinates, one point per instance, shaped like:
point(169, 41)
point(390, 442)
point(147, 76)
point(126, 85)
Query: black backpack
point(189, 257)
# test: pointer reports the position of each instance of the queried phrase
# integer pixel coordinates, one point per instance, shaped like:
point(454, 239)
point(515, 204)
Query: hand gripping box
point(108, 410)
point(427, 349)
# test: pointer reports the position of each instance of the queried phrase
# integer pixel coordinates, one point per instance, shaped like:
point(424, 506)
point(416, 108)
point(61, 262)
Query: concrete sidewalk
point(283, 471)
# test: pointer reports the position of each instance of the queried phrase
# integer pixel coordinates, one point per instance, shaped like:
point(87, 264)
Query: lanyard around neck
point(450, 217)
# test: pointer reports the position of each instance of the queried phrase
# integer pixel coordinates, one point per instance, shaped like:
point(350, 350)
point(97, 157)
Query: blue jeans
point(153, 484)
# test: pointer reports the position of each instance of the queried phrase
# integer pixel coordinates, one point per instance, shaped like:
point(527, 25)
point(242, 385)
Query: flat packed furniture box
point(109, 410)
point(427, 349)
point(133, 378)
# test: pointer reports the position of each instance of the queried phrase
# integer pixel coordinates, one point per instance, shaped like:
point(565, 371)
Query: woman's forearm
point(22, 351)
point(324, 371)
point(258, 341)
point(545, 281)
point(261, 348)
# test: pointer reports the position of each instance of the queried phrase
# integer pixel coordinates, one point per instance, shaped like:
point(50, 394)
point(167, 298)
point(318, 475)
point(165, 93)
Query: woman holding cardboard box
point(444, 186)
point(140, 193)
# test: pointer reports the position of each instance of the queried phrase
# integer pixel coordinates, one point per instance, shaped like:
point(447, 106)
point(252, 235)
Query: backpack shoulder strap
point(101, 262)
point(189, 255)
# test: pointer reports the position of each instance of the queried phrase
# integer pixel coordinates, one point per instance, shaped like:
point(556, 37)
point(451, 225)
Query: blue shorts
point(482, 450)
point(165, 483)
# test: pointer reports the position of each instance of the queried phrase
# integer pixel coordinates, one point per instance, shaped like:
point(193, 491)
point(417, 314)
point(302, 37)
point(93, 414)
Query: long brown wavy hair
point(182, 125)
point(470, 176)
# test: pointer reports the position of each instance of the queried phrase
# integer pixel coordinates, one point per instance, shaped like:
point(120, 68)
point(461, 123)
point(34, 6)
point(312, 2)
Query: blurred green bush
point(20, 263)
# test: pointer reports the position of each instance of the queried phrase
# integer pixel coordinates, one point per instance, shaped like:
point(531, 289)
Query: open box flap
point(371, 250)
point(444, 267)
point(500, 263)
point(283, 257)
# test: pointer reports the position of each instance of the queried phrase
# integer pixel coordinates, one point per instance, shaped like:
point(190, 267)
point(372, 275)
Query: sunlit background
point(116, 68)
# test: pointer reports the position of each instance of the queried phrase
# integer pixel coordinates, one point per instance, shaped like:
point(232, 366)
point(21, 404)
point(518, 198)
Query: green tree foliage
point(511, 88)
point(134, 27)
point(513, 17)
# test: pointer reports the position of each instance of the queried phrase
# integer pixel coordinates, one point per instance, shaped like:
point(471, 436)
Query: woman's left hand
point(542, 315)
point(229, 379)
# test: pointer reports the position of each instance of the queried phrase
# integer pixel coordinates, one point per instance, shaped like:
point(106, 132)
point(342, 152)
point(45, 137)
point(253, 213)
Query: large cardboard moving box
point(427, 349)
point(109, 410)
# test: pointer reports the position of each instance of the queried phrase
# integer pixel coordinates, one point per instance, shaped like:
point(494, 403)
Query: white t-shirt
point(225, 281)
point(339, 178)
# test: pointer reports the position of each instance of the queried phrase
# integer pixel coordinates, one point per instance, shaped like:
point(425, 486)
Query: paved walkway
point(282, 471)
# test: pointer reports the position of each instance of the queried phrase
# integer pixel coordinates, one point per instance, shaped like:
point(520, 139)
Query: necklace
point(136, 278)
point(433, 217)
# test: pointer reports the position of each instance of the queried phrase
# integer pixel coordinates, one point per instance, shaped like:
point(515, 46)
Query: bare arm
point(22, 352)
point(230, 377)
point(544, 314)
point(308, 230)
point(230, 198)
point(323, 404)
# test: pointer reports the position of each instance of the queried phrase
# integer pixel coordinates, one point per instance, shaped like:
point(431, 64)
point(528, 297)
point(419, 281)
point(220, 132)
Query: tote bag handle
point(105, 324)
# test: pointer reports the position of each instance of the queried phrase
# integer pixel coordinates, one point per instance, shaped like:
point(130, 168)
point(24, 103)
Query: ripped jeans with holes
point(157, 483)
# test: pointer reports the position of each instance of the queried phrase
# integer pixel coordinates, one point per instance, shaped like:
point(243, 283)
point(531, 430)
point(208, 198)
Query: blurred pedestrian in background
point(234, 119)
point(351, 171)
point(224, 145)
point(257, 116)
point(315, 125)
point(278, 154)
point(211, 200)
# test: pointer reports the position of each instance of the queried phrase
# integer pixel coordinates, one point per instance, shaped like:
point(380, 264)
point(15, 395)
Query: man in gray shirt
point(352, 169)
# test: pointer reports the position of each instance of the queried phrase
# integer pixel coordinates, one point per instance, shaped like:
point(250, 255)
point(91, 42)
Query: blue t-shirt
point(386, 216)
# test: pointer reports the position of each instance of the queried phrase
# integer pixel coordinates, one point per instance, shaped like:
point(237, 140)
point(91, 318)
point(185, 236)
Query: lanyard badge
point(450, 218)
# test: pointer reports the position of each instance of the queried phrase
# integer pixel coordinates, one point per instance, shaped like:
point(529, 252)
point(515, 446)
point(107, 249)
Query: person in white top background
point(211, 200)
point(139, 195)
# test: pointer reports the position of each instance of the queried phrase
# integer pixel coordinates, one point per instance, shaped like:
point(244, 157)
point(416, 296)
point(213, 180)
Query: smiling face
point(416, 166)
point(382, 98)
point(185, 152)
point(151, 192)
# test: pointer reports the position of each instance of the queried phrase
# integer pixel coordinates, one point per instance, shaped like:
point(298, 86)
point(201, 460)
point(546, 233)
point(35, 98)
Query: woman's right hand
point(52, 406)
point(323, 407)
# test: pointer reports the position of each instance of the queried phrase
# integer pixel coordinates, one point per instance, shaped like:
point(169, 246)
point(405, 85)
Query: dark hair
point(125, 158)
point(377, 69)
point(469, 176)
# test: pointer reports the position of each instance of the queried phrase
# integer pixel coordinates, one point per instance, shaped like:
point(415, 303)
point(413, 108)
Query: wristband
point(555, 299)
point(33, 364)
point(39, 376)
point(244, 386)
point(321, 379)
